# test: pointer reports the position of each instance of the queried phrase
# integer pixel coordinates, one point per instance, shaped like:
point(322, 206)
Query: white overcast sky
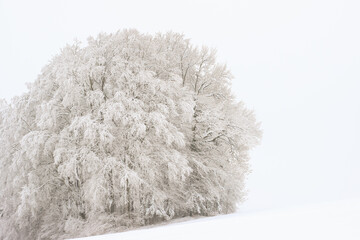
point(296, 63)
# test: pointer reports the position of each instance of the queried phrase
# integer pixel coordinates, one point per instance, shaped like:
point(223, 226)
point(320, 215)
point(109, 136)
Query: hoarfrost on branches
point(130, 130)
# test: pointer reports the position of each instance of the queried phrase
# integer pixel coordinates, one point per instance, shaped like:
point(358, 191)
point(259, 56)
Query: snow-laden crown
point(129, 130)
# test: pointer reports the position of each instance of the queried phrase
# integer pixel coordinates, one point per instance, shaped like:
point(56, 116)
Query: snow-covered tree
point(128, 130)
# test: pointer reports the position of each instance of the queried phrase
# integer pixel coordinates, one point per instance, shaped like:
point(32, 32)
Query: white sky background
point(296, 63)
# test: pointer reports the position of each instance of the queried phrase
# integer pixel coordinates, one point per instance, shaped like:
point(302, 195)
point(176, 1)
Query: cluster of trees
point(128, 130)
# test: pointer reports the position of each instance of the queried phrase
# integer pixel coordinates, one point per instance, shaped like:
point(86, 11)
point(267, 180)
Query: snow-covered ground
point(332, 220)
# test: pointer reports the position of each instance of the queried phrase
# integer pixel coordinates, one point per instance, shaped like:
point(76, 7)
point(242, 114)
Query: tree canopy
point(128, 130)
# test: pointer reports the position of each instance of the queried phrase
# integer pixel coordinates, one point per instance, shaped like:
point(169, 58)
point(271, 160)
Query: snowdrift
point(332, 220)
